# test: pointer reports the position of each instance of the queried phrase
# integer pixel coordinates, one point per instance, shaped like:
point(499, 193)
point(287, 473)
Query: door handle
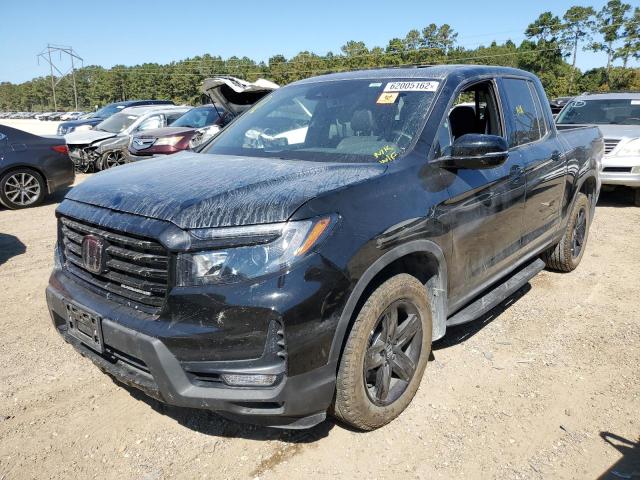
point(555, 156)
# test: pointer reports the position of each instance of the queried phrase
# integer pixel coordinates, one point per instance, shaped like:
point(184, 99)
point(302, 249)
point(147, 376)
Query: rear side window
point(528, 123)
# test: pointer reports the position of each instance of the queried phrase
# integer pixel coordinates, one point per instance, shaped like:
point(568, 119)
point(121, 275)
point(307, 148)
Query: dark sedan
point(31, 167)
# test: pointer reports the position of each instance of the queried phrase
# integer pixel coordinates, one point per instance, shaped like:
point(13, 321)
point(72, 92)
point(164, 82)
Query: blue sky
point(130, 32)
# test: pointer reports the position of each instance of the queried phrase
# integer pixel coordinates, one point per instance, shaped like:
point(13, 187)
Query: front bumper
point(144, 362)
point(621, 171)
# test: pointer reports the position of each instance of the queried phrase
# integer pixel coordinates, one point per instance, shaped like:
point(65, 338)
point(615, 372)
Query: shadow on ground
point(10, 246)
point(629, 465)
point(620, 197)
point(461, 333)
point(209, 423)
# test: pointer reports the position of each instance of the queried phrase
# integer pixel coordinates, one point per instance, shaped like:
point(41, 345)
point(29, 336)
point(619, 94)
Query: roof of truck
point(433, 72)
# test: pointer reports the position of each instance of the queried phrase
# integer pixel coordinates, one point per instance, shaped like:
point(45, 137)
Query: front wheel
point(112, 159)
point(566, 255)
point(385, 355)
point(636, 197)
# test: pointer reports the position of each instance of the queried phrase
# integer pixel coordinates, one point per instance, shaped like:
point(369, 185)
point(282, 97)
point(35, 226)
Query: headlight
point(632, 147)
point(171, 141)
point(80, 127)
point(635, 169)
point(267, 249)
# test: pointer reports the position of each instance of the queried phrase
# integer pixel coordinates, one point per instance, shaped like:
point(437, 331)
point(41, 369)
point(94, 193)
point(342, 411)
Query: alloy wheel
point(579, 233)
point(393, 353)
point(22, 189)
point(113, 159)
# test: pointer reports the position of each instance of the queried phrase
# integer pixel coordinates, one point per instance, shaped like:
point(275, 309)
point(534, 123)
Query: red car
point(231, 97)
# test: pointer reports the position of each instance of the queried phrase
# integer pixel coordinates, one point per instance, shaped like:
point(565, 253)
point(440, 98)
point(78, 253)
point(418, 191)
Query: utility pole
point(61, 49)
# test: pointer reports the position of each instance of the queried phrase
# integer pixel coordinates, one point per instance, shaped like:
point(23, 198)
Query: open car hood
point(236, 95)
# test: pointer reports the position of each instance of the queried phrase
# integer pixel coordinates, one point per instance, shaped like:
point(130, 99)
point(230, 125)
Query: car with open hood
point(103, 146)
point(231, 96)
point(91, 120)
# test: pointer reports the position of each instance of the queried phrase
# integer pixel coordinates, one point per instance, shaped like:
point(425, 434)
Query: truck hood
point(236, 95)
point(86, 137)
point(194, 190)
point(620, 131)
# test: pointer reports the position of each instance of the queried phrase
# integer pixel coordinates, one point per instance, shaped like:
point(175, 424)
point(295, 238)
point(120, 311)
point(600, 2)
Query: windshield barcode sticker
point(411, 86)
point(635, 102)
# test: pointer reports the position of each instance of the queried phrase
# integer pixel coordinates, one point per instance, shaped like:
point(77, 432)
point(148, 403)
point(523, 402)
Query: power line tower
point(73, 56)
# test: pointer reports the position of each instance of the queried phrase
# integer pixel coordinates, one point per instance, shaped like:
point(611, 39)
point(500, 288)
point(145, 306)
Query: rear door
point(533, 140)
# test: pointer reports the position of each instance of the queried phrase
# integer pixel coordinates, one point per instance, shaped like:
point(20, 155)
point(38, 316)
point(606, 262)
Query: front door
point(486, 206)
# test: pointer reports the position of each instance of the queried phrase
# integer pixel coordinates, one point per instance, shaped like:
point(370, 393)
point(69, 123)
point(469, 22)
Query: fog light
point(238, 380)
point(635, 169)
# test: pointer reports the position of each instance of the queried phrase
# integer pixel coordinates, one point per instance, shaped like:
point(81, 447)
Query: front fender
point(436, 289)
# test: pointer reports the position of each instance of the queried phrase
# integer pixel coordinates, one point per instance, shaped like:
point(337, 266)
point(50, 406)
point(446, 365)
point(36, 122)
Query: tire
point(22, 188)
point(362, 401)
point(111, 159)
point(636, 197)
point(566, 255)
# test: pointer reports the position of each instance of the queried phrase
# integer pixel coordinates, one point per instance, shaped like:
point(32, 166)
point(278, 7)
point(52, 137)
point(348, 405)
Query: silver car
point(618, 117)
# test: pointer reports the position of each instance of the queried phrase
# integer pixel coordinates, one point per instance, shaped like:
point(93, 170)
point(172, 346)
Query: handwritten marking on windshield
point(386, 154)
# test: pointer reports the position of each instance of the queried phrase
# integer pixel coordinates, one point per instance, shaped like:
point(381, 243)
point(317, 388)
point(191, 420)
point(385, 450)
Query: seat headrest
point(362, 121)
point(463, 120)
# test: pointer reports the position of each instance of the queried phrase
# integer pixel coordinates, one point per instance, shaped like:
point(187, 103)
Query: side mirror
point(474, 151)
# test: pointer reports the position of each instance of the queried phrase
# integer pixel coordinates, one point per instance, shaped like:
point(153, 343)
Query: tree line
point(550, 49)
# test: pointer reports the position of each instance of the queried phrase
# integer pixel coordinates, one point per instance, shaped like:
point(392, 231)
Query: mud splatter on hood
point(197, 191)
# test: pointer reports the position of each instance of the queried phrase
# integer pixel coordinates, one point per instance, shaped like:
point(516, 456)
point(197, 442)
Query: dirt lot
point(546, 386)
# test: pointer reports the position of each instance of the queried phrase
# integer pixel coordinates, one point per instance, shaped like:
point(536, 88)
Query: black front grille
point(610, 144)
point(617, 169)
point(136, 268)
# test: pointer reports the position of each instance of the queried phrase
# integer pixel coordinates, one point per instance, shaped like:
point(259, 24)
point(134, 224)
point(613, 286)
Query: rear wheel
point(566, 255)
point(385, 355)
point(636, 197)
point(21, 188)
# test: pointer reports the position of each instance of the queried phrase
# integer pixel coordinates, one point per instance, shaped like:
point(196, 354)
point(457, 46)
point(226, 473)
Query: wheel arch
point(422, 259)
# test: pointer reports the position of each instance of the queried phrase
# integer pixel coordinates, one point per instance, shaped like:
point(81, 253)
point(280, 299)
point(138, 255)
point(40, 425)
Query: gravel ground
point(545, 386)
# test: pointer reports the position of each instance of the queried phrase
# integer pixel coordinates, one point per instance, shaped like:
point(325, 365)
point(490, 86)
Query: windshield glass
point(106, 112)
point(340, 121)
point(601, 112)
point(117, 123)
point(199, 117)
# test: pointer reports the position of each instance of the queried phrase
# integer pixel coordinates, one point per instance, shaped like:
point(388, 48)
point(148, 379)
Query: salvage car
point(103, 147)
point(31, 167)
point(190, 130)
point(231, 97)
point(618, 117)
point(87, 123)
point(277, 275)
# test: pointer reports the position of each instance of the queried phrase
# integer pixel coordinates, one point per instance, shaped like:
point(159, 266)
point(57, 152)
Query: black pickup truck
point(307, 257)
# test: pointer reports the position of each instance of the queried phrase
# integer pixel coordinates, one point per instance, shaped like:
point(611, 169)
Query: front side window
point(526, 119)
point(601, 112)
point(339, 121)
point(155, 121)
point(474, 110)
point(199, 117)
point(117, 123)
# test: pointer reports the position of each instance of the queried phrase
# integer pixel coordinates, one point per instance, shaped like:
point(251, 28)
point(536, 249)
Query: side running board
point(497, 294)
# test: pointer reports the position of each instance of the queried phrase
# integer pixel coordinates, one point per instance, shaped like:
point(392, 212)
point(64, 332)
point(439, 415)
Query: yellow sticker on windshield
point(386, 154)
point(387, 97)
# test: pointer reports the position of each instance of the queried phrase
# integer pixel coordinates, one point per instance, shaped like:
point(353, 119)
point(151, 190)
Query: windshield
point(106, 112)
point(340, 121)
point(199, 117)
point(601, 112)
point(117, 123)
